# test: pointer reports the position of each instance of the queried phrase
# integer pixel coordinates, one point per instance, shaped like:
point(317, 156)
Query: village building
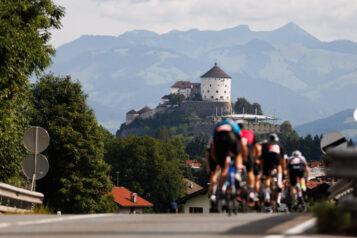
point(129, 202)
point(186, 88)
point(196, 202)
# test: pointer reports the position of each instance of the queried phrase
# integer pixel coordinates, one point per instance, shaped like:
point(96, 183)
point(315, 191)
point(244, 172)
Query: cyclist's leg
point(224, 173)
point(213, 182)
point(267, 188)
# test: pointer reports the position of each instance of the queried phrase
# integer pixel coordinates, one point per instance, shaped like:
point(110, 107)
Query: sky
point(327, 20)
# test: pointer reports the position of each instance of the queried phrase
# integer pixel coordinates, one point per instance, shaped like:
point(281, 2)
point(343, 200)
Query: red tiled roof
point(132, 112)
point(215, 72)
point(122, 197)
point(144, 109)
point(182, 84)
point(313, 184)
point(196, 164)
point(188, 162)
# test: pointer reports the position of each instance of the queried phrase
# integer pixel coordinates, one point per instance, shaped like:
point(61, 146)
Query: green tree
point(243, 105)
point(162, 134)
point(148, 167)
point(24, 34)
point(78, 180)
point(176, 99)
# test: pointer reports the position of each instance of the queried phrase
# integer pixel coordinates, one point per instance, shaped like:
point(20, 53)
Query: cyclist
point(225, 146)
point(297, 168)
point(212, 171)
point(248, 144)
point(257, 153)
point(272, 154)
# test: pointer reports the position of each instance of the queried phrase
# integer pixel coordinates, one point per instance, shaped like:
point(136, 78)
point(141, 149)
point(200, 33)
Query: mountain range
point(291, 73)
point(343, 122)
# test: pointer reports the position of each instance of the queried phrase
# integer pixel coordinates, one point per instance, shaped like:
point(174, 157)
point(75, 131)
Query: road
point(158, 225)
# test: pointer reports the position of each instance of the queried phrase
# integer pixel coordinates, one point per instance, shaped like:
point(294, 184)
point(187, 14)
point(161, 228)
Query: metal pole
point(33, 185)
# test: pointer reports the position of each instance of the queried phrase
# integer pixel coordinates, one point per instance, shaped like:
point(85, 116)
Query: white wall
point(216, 89)
point(198, 201)
point(186, 91)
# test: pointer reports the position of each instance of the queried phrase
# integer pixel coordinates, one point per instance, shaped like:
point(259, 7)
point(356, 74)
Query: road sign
point(36, 137)
point(42, 166)
point(333, 140)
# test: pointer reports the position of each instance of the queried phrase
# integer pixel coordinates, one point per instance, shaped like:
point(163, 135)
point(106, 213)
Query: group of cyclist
point(236, 159)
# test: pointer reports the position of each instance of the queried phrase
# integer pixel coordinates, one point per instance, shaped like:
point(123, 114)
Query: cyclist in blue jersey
point(226, 146)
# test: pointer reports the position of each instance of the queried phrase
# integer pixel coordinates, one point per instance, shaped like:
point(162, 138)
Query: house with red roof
point(129, 202)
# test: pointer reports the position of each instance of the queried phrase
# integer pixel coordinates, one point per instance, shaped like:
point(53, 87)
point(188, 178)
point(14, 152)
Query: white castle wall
point(216, 89)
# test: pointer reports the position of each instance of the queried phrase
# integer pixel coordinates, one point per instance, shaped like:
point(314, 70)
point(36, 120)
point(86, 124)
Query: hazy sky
point(325, 19)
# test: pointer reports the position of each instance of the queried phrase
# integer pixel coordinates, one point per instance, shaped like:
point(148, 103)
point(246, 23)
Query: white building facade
point(216, 85)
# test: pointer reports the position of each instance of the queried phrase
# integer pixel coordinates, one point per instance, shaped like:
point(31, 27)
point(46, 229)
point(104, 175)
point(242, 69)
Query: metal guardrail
point(13, 199)
point(344, 167)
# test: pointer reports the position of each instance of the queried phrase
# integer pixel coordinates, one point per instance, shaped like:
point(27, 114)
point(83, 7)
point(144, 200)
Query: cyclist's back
point(296, 166)
point(272, 153)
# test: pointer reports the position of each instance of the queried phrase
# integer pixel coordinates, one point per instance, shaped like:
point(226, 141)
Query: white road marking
point(2, 225)
point(52, 220)
point(301, 228)
point(296, 230)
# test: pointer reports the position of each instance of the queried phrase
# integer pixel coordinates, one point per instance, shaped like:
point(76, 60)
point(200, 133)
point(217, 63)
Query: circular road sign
point(31, 140)
point(42, 166)
point(333, 140)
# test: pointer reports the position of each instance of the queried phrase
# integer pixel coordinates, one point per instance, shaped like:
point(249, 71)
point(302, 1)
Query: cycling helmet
point(273, 137)
point(296, 153)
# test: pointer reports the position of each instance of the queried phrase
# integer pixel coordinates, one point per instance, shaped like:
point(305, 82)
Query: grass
point(332, 220)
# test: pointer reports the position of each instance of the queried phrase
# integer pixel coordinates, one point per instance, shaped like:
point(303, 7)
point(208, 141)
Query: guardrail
point(344, 167)
point(13, 199)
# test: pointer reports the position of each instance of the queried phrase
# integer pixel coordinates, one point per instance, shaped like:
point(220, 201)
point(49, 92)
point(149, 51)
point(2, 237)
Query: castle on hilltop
point(215, 86)
point(210, 98)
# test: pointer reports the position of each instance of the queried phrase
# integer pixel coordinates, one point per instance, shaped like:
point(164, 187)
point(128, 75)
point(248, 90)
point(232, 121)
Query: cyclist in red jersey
point(248, 160)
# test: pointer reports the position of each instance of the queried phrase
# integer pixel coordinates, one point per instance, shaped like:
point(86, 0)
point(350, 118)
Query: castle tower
point(216, 85)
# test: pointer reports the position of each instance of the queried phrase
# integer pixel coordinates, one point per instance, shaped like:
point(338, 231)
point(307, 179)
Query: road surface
point(156, 225)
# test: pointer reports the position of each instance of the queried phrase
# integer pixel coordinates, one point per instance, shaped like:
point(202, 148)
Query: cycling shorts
point(256, 169)
point(249, 164)
point(270, 162)
point(294, 174)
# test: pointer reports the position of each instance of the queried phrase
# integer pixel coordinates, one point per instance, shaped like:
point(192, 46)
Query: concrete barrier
point(13, 199)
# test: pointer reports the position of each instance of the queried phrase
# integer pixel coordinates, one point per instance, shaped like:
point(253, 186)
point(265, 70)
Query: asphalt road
point(158, 225)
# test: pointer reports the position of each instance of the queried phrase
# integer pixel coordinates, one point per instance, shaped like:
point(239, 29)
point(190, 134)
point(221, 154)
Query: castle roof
point(132, 112)
point(144, 109)
point(215, 72)
point(182, 84)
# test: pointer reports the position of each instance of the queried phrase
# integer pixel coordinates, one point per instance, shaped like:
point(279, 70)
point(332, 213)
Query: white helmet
point(273, 137)
point(296, 153)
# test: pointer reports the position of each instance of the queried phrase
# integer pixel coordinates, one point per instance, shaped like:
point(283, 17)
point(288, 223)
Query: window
point(196, 210)
point(207, 91)
point(225, 85)
point(210, 85)
point(221, 97)
point(216, 91)
point(211, 97)
point(225, 91)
